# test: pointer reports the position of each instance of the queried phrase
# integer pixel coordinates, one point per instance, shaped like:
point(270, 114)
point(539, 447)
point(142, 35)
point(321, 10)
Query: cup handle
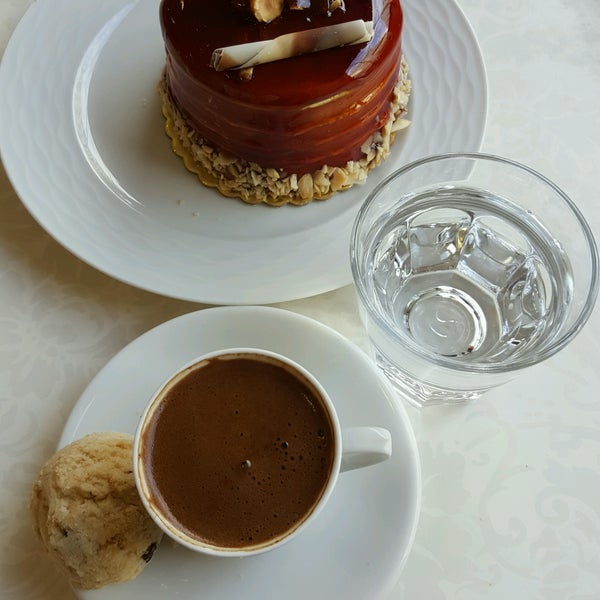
point(364, 446)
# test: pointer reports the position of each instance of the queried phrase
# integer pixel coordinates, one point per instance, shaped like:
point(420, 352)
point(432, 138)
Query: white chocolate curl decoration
point(287, 45)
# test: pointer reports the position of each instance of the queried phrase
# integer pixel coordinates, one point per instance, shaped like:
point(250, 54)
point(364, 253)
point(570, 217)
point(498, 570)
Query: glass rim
point(451, 362)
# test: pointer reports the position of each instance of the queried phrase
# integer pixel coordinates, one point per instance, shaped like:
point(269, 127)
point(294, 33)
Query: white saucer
point(358, 545)
point(82, 140)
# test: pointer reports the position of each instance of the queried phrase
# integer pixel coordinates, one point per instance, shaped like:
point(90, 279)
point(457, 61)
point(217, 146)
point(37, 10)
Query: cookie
point(87, 512)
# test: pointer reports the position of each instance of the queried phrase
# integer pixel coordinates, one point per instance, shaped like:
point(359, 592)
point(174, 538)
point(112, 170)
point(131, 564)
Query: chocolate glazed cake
point(283, 102)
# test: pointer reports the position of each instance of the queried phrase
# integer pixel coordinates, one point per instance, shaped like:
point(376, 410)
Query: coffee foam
point(266, 458)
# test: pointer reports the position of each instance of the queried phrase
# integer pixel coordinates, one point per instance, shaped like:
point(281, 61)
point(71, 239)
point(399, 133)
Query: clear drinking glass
point(469, 268)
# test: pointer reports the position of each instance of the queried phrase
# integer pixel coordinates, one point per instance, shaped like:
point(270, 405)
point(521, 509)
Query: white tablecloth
point(511, 483)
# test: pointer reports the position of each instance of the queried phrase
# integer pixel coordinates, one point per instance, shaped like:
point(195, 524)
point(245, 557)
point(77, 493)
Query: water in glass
point(481, 281)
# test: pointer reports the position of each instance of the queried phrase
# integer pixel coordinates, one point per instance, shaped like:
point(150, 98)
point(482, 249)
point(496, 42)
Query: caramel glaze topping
point(296, 114)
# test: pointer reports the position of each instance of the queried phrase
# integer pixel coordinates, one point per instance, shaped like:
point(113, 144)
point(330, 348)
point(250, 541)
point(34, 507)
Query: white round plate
point(82, 140)
point(359, 543)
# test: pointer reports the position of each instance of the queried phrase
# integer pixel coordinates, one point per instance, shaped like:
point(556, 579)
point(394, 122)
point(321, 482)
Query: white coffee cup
point(353, 448)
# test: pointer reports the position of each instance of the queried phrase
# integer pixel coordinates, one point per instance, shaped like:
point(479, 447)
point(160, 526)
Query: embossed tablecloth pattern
point(511, 484)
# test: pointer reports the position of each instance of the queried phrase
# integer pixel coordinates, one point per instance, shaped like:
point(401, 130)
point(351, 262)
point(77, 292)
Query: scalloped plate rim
point(320, 262)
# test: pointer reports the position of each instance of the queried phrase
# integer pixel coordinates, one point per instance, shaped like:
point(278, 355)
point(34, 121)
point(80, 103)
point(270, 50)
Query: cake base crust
point(254, 184)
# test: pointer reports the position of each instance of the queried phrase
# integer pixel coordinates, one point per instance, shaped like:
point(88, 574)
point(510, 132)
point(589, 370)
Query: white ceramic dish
point(81, 137)
point(356, 547)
